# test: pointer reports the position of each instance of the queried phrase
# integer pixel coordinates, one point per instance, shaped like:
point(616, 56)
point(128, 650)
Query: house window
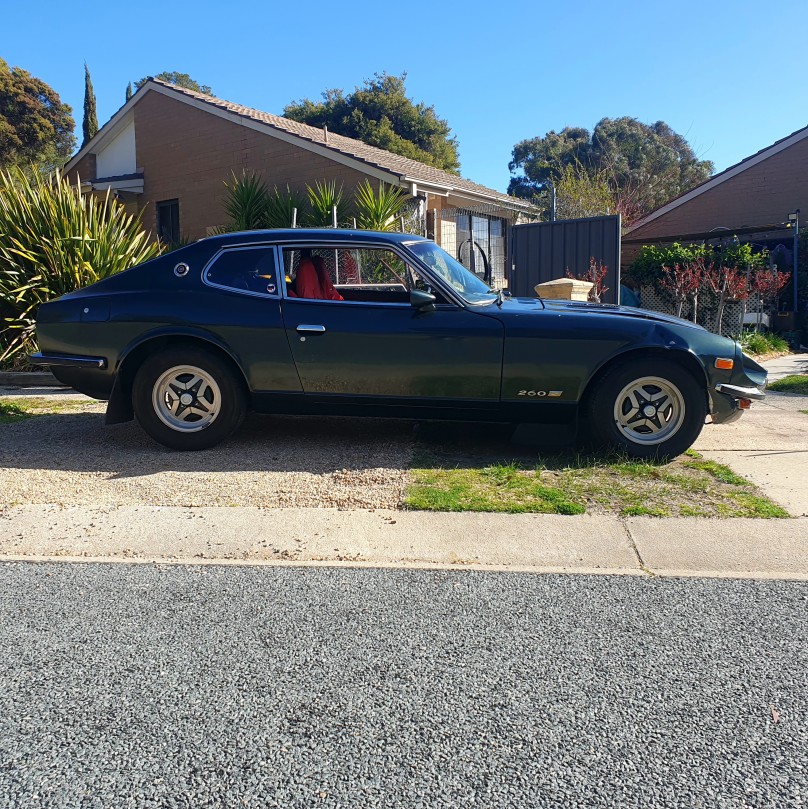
point(168, 221)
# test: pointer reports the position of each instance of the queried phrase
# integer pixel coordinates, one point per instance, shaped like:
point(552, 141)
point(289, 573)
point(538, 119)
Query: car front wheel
point(188, 398)
point(648, 409)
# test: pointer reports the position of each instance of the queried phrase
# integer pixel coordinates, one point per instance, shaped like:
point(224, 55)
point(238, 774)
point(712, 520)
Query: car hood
point(519, 305)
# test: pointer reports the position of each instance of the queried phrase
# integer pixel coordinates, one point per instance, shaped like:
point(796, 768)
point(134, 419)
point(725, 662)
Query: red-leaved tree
point(682, 283)
point(728, 284)
point(767, 286)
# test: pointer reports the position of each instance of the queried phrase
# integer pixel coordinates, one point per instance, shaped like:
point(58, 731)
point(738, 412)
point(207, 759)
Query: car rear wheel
point(648, 409)
point(188, 398)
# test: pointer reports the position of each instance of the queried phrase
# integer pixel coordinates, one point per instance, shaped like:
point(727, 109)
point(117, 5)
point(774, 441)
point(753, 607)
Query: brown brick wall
point(188, 154)
point(763, 194)
point(85, 169)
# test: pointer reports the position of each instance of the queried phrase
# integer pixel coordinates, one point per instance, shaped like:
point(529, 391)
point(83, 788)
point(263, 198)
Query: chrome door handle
point(305, 328)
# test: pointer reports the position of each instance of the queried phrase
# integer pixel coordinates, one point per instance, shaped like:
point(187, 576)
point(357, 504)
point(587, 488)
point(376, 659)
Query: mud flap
point(119, 406)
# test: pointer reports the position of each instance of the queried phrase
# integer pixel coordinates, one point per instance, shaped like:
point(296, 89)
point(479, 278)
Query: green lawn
point(795, 383)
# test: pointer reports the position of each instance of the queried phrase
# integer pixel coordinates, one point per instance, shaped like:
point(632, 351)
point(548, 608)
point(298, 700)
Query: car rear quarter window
point(245, 269)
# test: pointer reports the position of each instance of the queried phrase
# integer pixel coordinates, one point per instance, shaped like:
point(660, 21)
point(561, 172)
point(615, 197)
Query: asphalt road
point(136, 686)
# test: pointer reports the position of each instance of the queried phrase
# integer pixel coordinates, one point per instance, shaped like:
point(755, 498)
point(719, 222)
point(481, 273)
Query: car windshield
point(464, 282)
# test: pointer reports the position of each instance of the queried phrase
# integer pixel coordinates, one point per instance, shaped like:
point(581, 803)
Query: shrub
point(54, 240)
point(762, 342)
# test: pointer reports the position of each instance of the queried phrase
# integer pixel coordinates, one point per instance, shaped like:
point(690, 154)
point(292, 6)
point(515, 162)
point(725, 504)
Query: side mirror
point(423, 301)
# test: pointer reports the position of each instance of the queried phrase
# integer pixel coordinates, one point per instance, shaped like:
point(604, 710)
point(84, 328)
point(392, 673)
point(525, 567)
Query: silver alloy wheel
point(186, 398)
point(649, 410)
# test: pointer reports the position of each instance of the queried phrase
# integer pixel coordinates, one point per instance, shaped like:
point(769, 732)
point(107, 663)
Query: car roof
point(314, 234)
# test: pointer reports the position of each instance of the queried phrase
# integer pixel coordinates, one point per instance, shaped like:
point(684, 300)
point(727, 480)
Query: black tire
point(219, 398)
point(618, 419)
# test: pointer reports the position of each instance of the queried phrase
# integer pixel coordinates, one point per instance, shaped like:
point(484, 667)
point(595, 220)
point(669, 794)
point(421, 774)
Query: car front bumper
point(725, 401)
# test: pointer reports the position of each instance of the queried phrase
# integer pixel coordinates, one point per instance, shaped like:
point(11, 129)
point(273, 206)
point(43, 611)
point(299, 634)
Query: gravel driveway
point(73, 459)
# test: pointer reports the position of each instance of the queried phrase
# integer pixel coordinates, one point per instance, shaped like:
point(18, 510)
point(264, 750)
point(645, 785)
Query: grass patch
point(718, 471)
point(497, 488)
point(804, 411)
point(454, 471)
point(18, 408)
point(9, 413)
point(795, 383)
point(755, 505)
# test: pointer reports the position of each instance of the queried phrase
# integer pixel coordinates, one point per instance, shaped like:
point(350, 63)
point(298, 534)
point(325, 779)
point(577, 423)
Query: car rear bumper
point(68, 360)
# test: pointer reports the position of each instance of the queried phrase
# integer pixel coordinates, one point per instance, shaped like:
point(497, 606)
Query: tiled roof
point(372, 155)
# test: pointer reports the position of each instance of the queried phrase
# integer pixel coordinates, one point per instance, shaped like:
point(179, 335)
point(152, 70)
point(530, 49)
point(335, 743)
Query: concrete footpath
point(745, 548)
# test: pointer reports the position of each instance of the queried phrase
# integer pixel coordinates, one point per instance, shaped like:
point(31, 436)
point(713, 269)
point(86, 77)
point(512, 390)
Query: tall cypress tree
point(89, 126)
point(128, 91)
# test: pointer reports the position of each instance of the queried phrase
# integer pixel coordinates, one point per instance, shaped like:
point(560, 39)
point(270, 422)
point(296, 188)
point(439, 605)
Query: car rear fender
point(119, 408)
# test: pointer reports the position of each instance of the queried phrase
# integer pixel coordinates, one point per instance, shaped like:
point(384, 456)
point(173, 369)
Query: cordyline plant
point(595, 275)
point(247, 202)
point(250, 205)
point(323, 198)
point(379, 210)
point(54, 240)
point(682, 282)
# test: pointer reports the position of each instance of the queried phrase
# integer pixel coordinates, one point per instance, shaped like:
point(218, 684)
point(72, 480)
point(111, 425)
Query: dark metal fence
point(545, 251)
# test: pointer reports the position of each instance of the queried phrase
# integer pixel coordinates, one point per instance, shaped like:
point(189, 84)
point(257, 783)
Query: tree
point(645, 165)
point(89, 125)
point(579, 193)
point(380, 114)
point(35, 126)
point(128, 91)
point(178, 80)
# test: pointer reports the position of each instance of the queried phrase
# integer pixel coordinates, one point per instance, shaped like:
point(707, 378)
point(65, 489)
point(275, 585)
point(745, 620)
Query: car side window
point(245, 269)
point(363, 275)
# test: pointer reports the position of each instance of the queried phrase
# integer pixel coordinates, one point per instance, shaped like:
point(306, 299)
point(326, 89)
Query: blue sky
point(729, 76)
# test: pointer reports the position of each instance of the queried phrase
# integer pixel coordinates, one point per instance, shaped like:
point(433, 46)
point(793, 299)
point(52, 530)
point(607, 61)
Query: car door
point(368, 340)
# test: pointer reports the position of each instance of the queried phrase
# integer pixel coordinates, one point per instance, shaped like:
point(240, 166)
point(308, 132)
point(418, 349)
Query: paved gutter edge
point(407, 565)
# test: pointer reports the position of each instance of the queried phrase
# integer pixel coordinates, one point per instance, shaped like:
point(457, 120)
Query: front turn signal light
point(724, 364)
point(744, 404)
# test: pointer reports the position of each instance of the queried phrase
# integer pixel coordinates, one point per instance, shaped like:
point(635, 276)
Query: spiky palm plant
point(323, 196)
point(247, 202)
point(53, 240)
point(378, 210)
point(281, 207)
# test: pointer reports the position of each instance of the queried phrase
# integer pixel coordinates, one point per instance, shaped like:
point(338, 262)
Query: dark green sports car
point(379, 324)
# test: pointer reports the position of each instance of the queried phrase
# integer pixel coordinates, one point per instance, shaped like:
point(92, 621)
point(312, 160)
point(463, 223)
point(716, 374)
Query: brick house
point(168, 152)
point(751, 200)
